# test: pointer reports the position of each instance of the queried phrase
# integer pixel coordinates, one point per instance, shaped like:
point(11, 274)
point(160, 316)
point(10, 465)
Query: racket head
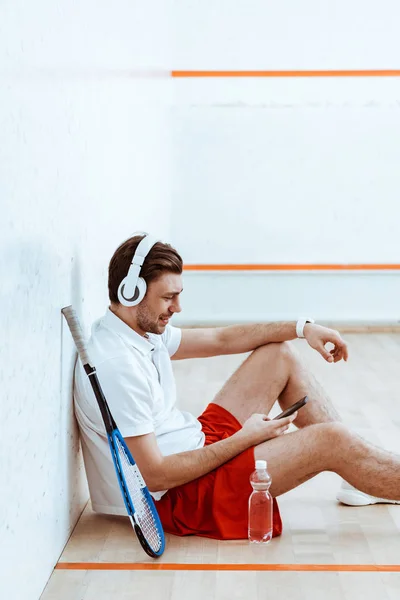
point(138, 501)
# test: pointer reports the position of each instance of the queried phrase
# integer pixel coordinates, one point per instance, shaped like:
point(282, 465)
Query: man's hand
point(259, 428)
point(317, 336)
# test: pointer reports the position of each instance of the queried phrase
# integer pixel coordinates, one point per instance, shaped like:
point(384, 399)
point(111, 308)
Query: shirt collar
point(129, 335)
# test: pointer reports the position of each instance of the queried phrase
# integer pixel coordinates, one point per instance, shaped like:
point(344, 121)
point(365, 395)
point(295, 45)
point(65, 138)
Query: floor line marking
point(154, 566)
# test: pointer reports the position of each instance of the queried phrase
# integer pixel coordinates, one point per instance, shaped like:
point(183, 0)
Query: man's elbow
point(155, 487)
point(156, 481)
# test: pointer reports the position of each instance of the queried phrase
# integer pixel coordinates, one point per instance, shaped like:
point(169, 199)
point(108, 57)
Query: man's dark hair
point(162, 258)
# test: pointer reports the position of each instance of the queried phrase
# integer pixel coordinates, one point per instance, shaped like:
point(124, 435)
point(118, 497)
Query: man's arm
point(237, 339)
point(233, 339)
point(165, 472)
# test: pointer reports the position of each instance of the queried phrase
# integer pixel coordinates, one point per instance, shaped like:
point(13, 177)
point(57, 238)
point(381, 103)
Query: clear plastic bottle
point(260, 505)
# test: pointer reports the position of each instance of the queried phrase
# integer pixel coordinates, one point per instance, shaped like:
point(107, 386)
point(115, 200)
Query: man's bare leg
point(275, 372)
point(293, 458)
point(302, 382)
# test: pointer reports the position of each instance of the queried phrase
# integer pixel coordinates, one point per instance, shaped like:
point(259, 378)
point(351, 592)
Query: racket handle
point(76, 332)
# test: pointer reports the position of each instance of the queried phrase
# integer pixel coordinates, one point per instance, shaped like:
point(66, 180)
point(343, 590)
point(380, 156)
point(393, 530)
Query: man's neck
point(128, 319)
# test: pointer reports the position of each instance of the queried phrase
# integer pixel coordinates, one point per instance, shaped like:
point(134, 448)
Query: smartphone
point(289, 411)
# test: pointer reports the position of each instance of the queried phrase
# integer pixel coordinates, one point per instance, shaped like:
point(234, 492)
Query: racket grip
point(76, 332)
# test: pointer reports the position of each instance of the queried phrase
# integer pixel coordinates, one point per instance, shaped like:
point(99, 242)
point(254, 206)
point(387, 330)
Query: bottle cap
point(261, 464)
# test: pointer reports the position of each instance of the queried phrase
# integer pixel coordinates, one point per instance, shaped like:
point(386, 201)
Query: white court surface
point(317, 529)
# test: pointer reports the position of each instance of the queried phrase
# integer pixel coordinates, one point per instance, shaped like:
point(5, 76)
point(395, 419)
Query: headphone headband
point(144, 247)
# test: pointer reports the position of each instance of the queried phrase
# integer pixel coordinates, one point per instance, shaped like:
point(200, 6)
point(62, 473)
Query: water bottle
point(260, 505)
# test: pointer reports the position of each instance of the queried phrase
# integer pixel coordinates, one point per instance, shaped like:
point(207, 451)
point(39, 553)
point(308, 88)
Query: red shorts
point(215, 505)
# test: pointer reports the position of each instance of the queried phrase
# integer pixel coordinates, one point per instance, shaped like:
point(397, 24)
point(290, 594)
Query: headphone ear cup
point(141, 287)
point(139, 293)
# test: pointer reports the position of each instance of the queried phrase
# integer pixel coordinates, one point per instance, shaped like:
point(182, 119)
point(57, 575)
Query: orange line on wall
point(154, 566)
point(295, 267)
point(309, 73)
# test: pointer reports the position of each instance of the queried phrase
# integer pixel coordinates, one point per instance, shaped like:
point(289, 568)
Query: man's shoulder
point(104, 345)
point(170, 338)
point(115, 365)
point(111, 356)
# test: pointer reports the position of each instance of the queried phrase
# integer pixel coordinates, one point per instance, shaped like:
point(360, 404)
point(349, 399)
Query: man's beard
point(147, 322)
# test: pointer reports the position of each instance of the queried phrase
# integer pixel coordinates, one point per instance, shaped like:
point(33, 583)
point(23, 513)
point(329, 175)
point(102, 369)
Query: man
point(198, 469)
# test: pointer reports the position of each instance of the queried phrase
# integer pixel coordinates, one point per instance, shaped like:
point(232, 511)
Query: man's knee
point(327, 442)
point(333, 435)
point(285, 349)
point(337, 431)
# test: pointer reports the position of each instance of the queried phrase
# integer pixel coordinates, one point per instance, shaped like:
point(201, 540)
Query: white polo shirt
point(136, 376)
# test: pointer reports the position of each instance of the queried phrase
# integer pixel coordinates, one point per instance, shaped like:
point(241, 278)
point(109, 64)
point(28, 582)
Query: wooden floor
point(317, 529)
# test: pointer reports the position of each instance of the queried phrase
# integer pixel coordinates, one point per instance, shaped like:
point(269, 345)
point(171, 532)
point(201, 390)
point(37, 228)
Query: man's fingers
point(336, 353)
point(287, 420)
point(340, 351)
point(282, 430)
point(328, 355)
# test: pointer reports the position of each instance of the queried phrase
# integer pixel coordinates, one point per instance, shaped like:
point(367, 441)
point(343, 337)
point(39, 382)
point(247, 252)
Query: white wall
point(301, 170)
point(287, 170)
point(313, 34)
point(84, 162)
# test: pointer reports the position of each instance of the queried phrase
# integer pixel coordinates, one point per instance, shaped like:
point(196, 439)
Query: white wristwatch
point(300, 325)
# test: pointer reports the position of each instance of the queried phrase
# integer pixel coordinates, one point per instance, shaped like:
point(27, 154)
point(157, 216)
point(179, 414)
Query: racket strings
point(144, 513)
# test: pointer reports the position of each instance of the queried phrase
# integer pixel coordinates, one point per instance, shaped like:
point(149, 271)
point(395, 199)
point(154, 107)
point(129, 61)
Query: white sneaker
point(352, 497)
